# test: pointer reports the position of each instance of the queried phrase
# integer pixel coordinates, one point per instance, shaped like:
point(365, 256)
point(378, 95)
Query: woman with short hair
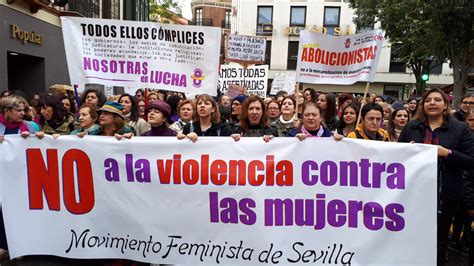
point(93, 96)
point(311, 126)
point(186, 111)
point(370, 128)
point(87, 120)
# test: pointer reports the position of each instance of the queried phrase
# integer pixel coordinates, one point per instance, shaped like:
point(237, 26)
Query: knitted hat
point(112, 107)
point(162, 106)
point(241, 98)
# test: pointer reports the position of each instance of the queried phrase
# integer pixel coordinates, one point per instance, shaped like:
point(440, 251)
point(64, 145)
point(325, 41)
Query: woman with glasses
point(467, 102)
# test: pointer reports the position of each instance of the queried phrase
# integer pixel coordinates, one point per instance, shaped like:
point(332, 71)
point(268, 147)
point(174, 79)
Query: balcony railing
point(201, 22)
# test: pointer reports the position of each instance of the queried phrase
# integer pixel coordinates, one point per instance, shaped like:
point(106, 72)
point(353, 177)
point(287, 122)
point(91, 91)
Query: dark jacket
point(160, 131)
point(457, 137)
point(294, 131)
point(220, 129)
point(256, 131)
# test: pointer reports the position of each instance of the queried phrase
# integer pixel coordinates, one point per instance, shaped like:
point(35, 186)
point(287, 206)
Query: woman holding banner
point(12, 112)
point(55, 119)
point(207, 121)
point(186, 110)
point(130, 113)
point(311, 126)
point(287, 120)
point(112, 122)
point(254, 120)
point(455, 142)
point(158, 113)
point(370, 128)
point(87, 120)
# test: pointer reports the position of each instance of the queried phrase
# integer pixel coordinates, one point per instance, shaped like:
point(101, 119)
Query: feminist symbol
point(197, 77)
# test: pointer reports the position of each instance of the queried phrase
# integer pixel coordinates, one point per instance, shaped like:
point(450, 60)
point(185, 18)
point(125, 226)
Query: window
point(198, 17)
point(292, 55)
point(331, 18)
point(298, 16)
point(226, 24)
point(396, 63)
point(268, 53)
point(88, 8)
point(111, 9)
point(265, 19)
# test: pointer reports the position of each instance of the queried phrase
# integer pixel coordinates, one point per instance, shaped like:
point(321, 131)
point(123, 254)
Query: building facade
point(213, 13)
point(32, 52)
point(280, 22)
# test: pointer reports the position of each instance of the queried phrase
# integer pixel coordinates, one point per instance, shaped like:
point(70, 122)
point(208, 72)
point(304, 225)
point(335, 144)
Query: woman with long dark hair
point(131, 115)
point(327, 105)
point(55, 119)
point(412, 106)
point(254, 120)
point(349, 119)
point(397, 121)
point(310, 95)
point(435, 125)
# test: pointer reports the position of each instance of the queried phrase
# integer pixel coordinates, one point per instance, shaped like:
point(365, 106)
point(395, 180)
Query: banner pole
point(76, 96)
point(297, 90)
point(363, 102)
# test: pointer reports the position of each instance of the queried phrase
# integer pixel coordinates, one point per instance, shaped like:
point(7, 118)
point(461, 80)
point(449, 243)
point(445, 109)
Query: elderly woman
point(12, 112)
point(87, 120)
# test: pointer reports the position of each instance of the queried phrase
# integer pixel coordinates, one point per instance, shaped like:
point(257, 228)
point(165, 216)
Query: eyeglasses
point(468, 103)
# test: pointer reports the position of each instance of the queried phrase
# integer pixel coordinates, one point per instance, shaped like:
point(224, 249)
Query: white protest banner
point(219, 201)
point(245, 49)
point(284, 81)
point(328, 59)
point(254, 78)
point(142, 54)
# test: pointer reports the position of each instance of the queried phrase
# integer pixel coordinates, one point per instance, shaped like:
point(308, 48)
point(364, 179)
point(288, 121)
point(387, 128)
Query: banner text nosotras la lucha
point(131, 32)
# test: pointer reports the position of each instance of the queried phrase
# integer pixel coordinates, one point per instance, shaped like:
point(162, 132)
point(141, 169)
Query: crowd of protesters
point(429, 120)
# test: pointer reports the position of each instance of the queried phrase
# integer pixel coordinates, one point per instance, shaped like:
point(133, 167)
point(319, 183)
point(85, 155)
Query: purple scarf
point(318, 135)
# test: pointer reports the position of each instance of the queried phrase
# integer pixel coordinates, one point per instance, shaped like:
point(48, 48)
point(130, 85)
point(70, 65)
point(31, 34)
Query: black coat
point(220, 129)
point(457, 137)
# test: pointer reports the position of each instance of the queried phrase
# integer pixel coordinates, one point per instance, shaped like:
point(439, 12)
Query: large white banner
point(161, 200)
point(345, 59)
point(142, 54)
point(254, 78)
